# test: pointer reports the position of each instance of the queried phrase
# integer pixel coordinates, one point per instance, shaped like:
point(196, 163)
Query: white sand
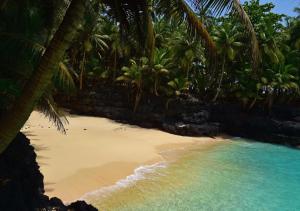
point(95, 152)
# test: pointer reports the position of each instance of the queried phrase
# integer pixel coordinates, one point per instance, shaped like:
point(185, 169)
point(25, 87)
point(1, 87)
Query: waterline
point(140, 173)
point(238, 175)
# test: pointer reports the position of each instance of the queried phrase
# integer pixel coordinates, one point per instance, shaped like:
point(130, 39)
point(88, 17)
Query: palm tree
point(185, 52)
point(270, 44)
point(295, 30)
point(226, 37)
point(27, 18)
point(280, 80)
point(134, 75)
point(117, 49)
point(161, 64)
point(126, 11)
point(179, 85)
point(11, 123)
point(91, 41)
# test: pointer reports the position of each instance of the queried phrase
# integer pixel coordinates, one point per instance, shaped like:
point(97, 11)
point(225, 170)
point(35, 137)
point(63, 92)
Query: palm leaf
point(256, 58)
point(219, 6)
point(181, 11)
point(48, 107)
point(65, 77)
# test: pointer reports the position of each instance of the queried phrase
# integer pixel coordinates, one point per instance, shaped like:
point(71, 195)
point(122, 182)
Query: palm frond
point(134, 20)
point(181, 11)
point(65, 77)
point(217, 7)
point(48, 107)
point(256, 58)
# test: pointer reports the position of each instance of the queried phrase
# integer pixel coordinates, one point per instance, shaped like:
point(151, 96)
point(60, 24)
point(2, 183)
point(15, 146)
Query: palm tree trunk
point(156, 84)
point(138, 96)
point(11, 124)
point(115, 66)
point(221, 80)
point(82, 67)
point(150, 39)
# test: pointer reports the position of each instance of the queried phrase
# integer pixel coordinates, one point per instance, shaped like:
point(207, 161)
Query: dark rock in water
point(21, 182)
point(81, 206)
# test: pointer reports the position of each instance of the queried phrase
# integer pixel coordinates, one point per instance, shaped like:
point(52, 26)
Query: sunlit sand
point(97, 152)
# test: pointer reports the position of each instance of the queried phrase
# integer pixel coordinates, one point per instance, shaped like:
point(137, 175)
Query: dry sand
point(96, 152)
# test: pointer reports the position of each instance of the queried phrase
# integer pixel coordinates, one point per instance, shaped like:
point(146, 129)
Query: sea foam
point(139, 173)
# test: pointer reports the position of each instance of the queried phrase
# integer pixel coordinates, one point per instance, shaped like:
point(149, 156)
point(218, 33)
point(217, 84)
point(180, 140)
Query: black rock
point(56, 202)
point(199, 117)
point(81, 206)
point(187, 115)
point(21, 182)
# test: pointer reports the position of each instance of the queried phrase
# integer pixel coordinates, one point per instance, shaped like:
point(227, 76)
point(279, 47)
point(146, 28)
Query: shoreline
point(138, 174)
point(169, 154)
point(98, 152)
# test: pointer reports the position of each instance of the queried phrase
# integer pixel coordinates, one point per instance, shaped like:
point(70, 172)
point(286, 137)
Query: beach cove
point(114, 166)
point(97, 152)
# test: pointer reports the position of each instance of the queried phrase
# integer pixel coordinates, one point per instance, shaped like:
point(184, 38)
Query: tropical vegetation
point(166, 48)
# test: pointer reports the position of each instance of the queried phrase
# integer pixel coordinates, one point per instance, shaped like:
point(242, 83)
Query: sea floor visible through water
point(236, 175)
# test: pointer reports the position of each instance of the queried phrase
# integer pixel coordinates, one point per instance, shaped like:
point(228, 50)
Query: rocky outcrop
point(187, 115)
point(152, 113)
point(21, 182)
point(280, 126)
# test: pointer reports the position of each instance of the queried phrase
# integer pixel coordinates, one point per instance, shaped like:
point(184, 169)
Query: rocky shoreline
point(21, 182)
point(22, 185)
point(187, 115)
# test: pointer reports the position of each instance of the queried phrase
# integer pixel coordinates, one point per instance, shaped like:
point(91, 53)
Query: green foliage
point(158, 47)
point(179, 85)
point(25, 29)
point(181, 65)
point(9, 90)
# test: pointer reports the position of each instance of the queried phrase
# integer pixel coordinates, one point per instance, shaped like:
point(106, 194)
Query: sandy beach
point(97, 152)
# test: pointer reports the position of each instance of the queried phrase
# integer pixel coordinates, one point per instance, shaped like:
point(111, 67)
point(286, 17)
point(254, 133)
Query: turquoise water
point(237, 175)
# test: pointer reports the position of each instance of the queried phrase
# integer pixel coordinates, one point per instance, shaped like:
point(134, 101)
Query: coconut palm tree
point(227, 38)
point(280, 80)
point(90, 42)
point(295, 30)
point(133, 75)
point(36, 85)
point(185, 52)
point(127, 12)
point(162, 63)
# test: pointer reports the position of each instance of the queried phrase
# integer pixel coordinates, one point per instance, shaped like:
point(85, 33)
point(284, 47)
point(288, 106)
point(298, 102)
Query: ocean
point(234, 175)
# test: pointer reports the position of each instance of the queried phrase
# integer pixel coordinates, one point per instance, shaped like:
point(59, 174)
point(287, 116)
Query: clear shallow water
point(238, 175)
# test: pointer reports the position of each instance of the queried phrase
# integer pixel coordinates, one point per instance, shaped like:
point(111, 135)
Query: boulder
point(186, 129)
point(199, 117)
point(21, 182)
point(81, 206)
